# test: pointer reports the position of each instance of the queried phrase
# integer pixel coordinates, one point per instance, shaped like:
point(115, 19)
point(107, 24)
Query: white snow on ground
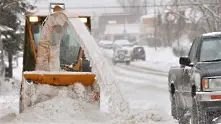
point(9, 98)
point(160, 59)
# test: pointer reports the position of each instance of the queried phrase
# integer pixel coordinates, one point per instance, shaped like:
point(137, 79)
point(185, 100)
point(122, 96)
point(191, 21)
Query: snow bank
point(72, 107)
point(69, 106)
point(153, 115)
point(161, 59)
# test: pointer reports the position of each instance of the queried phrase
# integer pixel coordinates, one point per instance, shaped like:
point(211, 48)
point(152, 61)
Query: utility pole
point(155, 25)
point(145, 5)
point(178, 32)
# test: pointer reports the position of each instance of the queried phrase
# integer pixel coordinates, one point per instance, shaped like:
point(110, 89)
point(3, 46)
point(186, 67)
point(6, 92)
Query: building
point(116, 18)
point(122, 31)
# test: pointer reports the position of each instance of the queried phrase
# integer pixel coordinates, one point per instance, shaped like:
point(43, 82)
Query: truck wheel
point(144, 58)
point(173, 107)
point(127, 62)
point(114, 62)
point(177, 112)
point(199, 114)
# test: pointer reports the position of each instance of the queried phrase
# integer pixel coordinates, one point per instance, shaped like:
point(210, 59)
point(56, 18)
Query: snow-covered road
point(143, 87)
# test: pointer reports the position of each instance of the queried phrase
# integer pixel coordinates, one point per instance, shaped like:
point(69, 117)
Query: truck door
point(187, 72)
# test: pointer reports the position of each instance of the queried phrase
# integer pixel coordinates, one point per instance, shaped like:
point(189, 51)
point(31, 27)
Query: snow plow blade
point(60, 78)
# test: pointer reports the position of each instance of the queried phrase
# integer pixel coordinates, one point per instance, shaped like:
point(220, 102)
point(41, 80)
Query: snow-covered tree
point(10, 13)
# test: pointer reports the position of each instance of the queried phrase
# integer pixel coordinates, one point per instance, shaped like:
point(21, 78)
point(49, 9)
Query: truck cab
point(195, 85)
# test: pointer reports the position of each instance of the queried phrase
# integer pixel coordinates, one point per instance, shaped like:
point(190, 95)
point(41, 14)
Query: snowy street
point(142, 85)
point(110, 62)
point(145, 89)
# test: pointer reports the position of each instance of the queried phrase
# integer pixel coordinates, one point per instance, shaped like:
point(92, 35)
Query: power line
point(114, 7)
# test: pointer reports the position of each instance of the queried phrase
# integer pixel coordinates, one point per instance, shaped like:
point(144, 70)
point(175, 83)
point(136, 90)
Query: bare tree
point(133, 6)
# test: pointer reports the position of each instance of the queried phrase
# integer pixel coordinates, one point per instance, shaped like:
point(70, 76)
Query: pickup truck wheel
point(174, 107)
point(177, 112)
point(114, 62)
point(127, 62)
point(199, 113)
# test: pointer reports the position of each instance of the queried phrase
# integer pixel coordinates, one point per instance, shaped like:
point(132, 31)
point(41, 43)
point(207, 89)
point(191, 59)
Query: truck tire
point(173, 107)
point(114, 62)
point(177, 112)
point(127, 62)
point(199, 114)
point(144, 58)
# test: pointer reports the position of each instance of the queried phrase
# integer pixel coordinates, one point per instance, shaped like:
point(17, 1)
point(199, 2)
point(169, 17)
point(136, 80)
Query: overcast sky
point(88, 3)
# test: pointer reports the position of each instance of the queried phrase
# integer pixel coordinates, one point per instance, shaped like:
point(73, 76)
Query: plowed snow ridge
point(69, 107)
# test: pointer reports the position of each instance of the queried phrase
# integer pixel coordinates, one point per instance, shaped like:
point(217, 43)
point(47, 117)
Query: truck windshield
point(68, 40)
point(211, 49)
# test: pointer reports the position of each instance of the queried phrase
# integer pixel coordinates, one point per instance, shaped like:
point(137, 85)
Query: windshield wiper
point(215, 60)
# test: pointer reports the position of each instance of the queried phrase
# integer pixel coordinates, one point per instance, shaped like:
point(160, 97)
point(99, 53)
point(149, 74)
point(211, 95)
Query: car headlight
point(211, 83)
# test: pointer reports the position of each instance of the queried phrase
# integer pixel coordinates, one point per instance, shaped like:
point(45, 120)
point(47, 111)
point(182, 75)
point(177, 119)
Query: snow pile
point(6, 86)
point(160, 59)
point(151, 116)
point(70, 105)
point(8, 105)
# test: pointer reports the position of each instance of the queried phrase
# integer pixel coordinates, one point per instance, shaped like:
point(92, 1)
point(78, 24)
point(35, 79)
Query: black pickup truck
point(195, 85)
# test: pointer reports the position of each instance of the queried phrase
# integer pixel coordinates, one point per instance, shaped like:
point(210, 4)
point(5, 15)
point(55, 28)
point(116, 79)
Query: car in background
point(106, 44)
point(122, 55)
point(122, 51)
point(138, 53)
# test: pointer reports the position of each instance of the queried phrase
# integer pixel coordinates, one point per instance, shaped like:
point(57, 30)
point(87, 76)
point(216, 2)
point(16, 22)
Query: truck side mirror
point(185, 61)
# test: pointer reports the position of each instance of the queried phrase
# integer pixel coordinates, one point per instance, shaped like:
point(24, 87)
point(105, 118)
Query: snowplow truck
point(54, 57)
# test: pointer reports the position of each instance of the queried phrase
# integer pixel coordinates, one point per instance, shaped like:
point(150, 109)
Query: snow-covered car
point(106, 44)
point(195, 85)
point(122, 55)
point(138, 53)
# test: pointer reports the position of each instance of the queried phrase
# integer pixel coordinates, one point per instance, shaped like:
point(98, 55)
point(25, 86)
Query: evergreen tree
point(10, 13)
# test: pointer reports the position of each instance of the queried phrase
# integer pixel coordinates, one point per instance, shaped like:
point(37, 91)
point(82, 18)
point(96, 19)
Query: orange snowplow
point(53, 54)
